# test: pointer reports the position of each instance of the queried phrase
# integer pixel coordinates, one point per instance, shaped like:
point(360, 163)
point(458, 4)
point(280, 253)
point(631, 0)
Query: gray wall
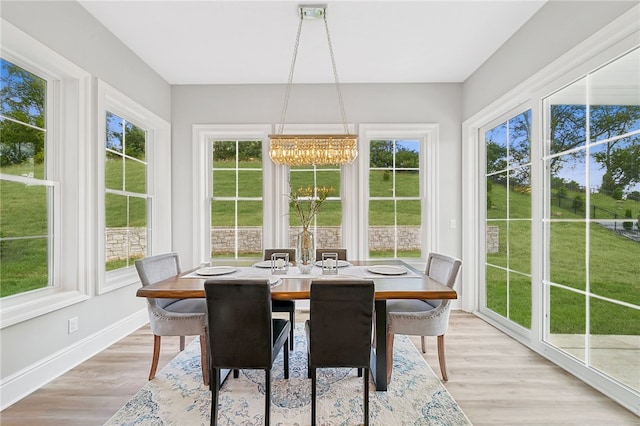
point(364, 103)
point(555, 29)
point(69, 30)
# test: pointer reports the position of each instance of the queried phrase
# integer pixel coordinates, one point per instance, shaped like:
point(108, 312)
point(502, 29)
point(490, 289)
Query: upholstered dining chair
point(242, 333)
point(341, 252)
point(424, 317)
point(172, 317)
point(288, 306)
point(339, 331)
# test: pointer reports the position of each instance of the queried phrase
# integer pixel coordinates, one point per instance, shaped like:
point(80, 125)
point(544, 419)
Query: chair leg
point(156, 356)
point(286, 361)
point(292, 318)
point(424, 347)
point(366, 396)
point(215, 376)
point(312, 373)
point(443, 362)
point(182, 339)
point(203, 359)
point(267, 396)
point(389, 356)
point(359, 372)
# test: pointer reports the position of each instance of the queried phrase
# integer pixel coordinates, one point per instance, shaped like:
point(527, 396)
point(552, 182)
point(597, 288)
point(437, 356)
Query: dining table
point(393, 279)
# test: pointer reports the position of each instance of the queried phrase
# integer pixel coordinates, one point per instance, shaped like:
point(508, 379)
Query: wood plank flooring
point(496, 381)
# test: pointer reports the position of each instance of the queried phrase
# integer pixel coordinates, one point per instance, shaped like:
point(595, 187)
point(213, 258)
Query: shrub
point(627, 225)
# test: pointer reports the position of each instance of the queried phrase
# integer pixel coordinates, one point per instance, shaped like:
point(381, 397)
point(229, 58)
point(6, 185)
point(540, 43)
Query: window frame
point(67, 118)
point(620, 36)
point(428, 137)
point(158, 158)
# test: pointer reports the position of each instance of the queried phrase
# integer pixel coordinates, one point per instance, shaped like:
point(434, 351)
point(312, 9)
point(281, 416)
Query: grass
point(613, 259)
point(613, 267)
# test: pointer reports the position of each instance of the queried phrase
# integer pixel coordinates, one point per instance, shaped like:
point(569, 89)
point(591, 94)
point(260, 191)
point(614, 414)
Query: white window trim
point(202, 135)
point(615, 39)
point(428, 136)
point(158, 157)
point(69, 111)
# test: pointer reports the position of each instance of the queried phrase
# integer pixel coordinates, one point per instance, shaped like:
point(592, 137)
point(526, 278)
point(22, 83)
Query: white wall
point(317, 104)
point(555, 29)
point(37, 350)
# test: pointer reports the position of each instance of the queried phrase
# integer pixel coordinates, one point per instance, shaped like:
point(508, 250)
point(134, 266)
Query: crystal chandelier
point(297, 150)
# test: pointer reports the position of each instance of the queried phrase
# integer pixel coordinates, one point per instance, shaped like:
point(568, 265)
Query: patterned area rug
point(176, 396)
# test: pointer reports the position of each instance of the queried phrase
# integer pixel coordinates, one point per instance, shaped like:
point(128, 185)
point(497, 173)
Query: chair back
point(443, 268)
point(156, 268)
point(290, 251)
point(239, 323)
point(341, 252)
point(340, 323)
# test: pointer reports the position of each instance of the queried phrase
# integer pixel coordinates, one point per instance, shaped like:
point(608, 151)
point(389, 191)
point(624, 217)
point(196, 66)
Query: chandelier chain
point(290, 80)
point(335, 75)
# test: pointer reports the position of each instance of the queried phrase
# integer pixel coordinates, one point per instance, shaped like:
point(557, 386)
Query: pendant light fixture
point(297, 150)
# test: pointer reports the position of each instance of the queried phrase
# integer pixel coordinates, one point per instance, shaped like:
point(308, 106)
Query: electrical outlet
point(73, 325)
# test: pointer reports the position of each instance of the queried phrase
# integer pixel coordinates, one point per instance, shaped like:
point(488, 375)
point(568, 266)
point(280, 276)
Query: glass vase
point(306, 251)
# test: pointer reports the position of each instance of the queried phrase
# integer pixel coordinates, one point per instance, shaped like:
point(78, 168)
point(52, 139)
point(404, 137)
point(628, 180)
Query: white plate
point(274, 281)
point(264, 264)
point(387, 269)
point(216, 270)
point(341, 263)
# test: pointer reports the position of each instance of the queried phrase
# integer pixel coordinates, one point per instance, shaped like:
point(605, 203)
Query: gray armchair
point(172, 317)
point(424, 317)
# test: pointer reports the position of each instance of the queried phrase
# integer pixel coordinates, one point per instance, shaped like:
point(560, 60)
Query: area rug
point(176, 396)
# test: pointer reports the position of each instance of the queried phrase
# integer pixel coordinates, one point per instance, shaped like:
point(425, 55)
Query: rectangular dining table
point(410, 285)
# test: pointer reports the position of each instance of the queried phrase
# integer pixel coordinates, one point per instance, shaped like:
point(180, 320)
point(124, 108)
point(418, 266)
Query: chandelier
point(298, 150)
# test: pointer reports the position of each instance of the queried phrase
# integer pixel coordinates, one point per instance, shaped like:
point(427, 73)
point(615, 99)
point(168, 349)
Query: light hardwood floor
point(496, 381)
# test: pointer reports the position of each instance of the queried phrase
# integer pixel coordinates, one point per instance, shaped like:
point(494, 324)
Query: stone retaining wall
point(120, 241)
point(250, 239)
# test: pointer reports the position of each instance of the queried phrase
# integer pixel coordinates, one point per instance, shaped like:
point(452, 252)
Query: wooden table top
point(298, 288)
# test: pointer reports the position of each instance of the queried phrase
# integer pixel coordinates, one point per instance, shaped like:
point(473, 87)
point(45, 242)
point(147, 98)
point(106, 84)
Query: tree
point(620, 157)
point(22, 102)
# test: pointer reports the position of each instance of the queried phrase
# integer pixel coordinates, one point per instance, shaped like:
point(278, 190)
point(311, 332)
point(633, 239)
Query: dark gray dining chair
point(341, 252)
point(424, 317)
point(288, 306)
point(242, 333)
point(339, 331)
point(172, 317)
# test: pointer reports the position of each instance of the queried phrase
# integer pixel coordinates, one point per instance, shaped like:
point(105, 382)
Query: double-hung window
point(43, 126)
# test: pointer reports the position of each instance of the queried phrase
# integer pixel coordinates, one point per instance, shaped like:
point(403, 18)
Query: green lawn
point(613, 266)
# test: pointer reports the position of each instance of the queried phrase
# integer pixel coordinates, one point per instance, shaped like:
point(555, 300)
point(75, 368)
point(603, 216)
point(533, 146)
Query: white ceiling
point(241, 42)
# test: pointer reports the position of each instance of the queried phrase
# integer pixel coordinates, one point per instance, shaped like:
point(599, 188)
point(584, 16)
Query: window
point(395, 206)
point(399, 183)
point(126, 197)
point(236, 202)
point(508, 219)
point(592, 216)
point(133, 209)
point(43, 98)
point(328, 221)
point(26, 195)
point(584, 127)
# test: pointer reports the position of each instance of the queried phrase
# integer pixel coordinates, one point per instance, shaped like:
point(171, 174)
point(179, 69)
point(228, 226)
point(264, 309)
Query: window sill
point(30, 306)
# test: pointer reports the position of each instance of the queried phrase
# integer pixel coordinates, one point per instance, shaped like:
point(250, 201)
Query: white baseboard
point(24, 382)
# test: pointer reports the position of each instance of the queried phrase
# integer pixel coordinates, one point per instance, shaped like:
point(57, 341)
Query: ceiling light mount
point(313, 149)
point(313, 11)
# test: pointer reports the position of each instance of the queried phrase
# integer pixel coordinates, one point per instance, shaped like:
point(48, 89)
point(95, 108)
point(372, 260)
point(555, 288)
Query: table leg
point(379, 353)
